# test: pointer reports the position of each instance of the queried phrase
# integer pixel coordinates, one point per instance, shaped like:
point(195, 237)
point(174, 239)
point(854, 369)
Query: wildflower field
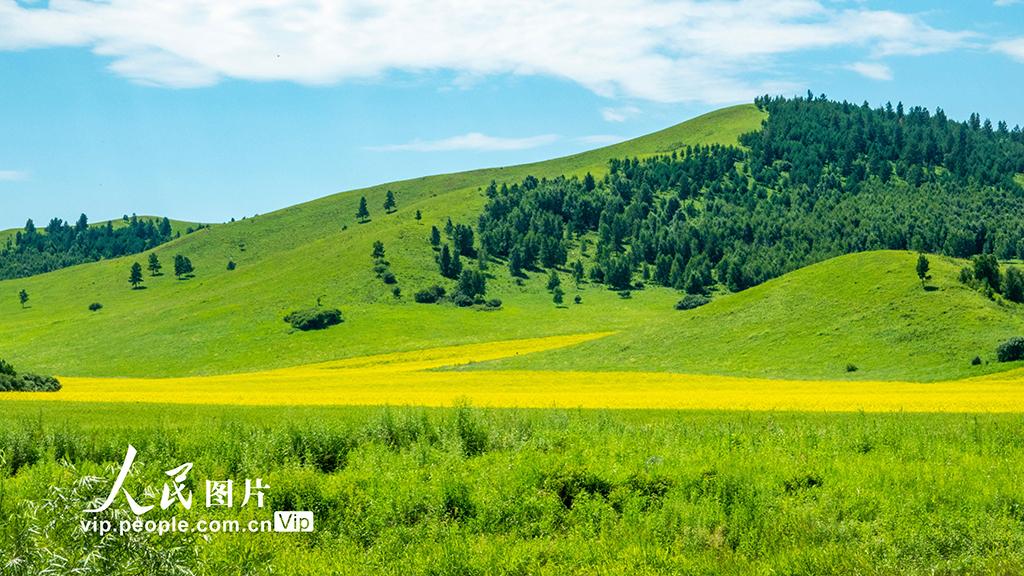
point(427, 378)
point(419, 463)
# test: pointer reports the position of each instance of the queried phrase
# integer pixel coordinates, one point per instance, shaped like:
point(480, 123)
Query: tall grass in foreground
point(469, 491)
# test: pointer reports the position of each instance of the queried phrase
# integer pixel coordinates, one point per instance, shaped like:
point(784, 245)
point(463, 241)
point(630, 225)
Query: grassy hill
point(867, 309)
point(225, 321)
point(808, 324)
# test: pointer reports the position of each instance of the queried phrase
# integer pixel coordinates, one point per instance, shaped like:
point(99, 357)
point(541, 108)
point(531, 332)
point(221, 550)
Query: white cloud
point(1007, 2)
point(1012, 48)
point(659, 50)
point(472, 141)
point(872, 70)
point(13, 175)
point(620, 114)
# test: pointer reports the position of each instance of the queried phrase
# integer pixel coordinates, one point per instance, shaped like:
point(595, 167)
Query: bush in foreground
point(314, 318)
point(1011, 350)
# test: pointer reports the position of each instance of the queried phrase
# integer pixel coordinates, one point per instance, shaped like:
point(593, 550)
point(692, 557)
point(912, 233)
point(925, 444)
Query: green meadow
point(465, 491)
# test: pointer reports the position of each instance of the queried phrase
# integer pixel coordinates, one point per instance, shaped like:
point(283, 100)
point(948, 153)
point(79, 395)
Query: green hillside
point(867, 309)
point(225, 321)
point(177, 226)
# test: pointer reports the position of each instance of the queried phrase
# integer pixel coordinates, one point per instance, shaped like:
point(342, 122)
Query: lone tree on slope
point(23, 298)
point(922, 267)
point(363, 214)
point(389, 202)
point(135, 276)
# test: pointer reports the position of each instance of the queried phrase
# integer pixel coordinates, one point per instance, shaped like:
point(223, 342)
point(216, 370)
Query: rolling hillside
point(226, 321)
point(808, 324)
point(867, 309)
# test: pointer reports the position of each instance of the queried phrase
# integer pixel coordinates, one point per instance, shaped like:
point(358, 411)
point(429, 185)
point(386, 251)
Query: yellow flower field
point(409, 378)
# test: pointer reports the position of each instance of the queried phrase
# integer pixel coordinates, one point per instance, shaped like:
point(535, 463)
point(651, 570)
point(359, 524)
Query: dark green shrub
point(569, 484)
point(18, 449)
point(803, 482)
point(625, 294)
point(851, 368)
point(389, 278)
point(11, 381)
point(494, 303)
point(325, 450)
point(976, 361)
point(95, 306)
point(966, 276)
point(232, 265)
point(456, 503)
point(691, 301)
point(314, 318)
point(472, 436)
point(462, 300)
point(1011, 350)
point(429, 295)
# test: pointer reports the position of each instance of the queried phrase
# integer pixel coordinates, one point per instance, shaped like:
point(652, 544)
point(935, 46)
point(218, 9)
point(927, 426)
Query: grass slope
point(866, 309)
point(223, 321)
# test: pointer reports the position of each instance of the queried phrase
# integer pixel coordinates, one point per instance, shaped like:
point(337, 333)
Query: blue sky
point(208, 110)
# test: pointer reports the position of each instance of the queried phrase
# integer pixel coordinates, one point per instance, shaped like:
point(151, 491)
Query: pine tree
point(389, 202)
point(378, 250)
point(182, 266)
point(154, 265)
point(419, 215)
point(435, 237)
point(23, 296)
point(577, 272)
point(363, 214)
point(1013, 285)
point(558, 296)
point(922, 267)
point(135, 276)
point(515, 262)
point(553, 281)
point(445, 261)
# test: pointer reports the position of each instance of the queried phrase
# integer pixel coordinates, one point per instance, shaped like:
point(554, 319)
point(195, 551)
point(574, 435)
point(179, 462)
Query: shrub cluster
point(691, 301)
point(430, 295)
point(314, 318)
point(11, 381)
point(1011, 350)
